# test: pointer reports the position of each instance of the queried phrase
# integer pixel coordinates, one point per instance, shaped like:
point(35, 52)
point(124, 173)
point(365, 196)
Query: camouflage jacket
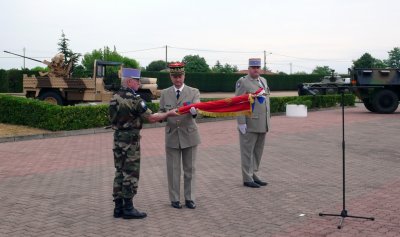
point(127, 110)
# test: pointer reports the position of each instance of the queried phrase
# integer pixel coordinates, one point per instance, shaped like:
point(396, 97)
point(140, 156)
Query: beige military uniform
point(181, 140)
point(258, 124)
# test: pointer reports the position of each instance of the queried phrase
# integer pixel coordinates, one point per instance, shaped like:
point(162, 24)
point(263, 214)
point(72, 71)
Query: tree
point(394, 58)
point(195, 63)
point(40, 69)
point(108, 55)
point(367, 61)
point(69, 55)
point(300, 73)
point(322, 70)
point(224, 69)
point(156, 66)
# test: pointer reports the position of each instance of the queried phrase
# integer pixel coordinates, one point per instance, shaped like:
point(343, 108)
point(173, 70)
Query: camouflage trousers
point(127, 163)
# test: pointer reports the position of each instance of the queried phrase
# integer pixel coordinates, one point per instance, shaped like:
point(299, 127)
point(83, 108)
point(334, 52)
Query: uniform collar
point(180, 89)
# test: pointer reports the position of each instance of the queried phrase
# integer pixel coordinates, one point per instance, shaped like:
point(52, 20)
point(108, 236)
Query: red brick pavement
point(62, 186)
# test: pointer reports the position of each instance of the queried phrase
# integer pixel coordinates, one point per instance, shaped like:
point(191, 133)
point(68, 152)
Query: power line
point(217, 51)
point(313, 59)
point(138, 50)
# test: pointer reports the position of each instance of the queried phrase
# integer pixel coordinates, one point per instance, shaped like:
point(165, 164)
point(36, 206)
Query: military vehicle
point(58, 86)
point(327, 86)
point(385, 97)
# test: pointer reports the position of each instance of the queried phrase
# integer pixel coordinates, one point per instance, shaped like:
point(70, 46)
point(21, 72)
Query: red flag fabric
point(235, 106)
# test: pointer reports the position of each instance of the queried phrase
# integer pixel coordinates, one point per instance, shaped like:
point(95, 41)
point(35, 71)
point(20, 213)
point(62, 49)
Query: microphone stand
point(344, 213)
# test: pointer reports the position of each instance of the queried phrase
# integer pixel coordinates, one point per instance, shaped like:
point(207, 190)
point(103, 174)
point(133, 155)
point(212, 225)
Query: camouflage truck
point(58, 86)
point(327, 86)
point(383, 99)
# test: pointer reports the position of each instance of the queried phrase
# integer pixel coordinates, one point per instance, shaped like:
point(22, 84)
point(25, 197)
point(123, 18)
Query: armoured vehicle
point(327, 86)
point(382, 99)
point(58, 86)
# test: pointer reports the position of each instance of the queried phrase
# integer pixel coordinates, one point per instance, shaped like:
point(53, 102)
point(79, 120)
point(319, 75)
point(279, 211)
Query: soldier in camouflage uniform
point(127, 114)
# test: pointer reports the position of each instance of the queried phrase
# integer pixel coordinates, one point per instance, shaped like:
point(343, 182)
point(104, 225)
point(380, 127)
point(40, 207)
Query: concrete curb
point(102, 130)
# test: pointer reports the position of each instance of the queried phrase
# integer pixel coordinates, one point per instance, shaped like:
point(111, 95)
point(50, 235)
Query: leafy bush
point(35, 113)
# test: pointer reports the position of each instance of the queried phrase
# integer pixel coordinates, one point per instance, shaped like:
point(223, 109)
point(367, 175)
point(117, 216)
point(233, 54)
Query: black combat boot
point(129, 212)
point(118, 209)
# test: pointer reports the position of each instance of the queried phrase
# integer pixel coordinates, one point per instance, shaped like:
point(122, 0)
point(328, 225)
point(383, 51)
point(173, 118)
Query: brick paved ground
point(62, 186)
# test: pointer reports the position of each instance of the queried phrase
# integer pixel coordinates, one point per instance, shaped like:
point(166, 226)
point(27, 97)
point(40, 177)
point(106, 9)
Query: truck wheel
point(51, 97)
point(368, 105)
point(385, 102)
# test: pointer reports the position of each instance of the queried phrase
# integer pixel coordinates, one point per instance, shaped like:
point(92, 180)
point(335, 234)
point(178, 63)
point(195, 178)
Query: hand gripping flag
point(235, 106)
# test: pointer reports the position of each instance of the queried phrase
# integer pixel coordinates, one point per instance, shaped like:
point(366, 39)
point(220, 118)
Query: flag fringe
point(223, 114)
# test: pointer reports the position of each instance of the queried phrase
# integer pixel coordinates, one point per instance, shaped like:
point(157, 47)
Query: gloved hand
point(193, 111)
point(242, 128)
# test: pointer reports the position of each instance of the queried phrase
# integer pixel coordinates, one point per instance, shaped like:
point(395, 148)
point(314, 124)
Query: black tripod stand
point(343, 214)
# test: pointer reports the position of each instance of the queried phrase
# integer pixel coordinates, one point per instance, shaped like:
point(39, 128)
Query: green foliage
point(40, 69)
point(394, 58)
point(108, 55)
point(218, 67)
point(195, 63)
point(3, 81)
point(35, 113)
point(300, 73)
point(367, 61)
point(69, 55)
point(156, 66)
point(322, 70)
point(299, 101)
point(14, 78)
point(225, 82)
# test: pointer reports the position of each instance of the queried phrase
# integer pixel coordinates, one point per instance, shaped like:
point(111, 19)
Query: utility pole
point(265, 60)
point(24, 56)
point(166, 54)
point(291, 65)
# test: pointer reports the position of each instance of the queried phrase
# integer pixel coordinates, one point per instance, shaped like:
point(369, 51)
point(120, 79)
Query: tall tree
point(195, 63)
point(156, 66)
point(394, 58)
point(227, 68)
point(367, 61)
point(322, 70)
point(107, 55)
point(69, 55)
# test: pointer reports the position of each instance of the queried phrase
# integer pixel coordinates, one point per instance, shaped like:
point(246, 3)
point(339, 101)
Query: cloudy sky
point(303, 33)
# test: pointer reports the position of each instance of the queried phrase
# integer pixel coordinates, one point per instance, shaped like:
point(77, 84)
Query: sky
point(297, 35)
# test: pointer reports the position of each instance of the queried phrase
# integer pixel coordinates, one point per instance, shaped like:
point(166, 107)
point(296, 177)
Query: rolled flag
point(235, 106)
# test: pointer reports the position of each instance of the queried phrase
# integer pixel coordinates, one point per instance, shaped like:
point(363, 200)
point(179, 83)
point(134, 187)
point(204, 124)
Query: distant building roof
point(265, 72)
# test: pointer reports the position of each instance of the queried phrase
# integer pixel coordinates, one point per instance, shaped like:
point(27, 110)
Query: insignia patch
point(143, 104)
point(238, 84)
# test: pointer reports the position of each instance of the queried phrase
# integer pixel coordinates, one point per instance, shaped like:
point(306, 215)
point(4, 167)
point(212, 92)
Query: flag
point(235, 106)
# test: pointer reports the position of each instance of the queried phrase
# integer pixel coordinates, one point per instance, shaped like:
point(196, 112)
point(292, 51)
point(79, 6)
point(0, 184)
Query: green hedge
point(225, 82)
point(35, 113)
point(11, 80)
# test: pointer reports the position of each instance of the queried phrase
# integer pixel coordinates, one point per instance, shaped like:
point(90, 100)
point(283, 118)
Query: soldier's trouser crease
point(174, 157)
point(251, 150)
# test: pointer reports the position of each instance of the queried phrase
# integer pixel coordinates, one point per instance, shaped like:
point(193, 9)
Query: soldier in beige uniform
point(181, 136)
point(253, 129)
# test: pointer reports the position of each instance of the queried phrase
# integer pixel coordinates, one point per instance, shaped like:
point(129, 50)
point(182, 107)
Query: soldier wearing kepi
point(253, 129)
point(181, 136)
point(127, 114)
